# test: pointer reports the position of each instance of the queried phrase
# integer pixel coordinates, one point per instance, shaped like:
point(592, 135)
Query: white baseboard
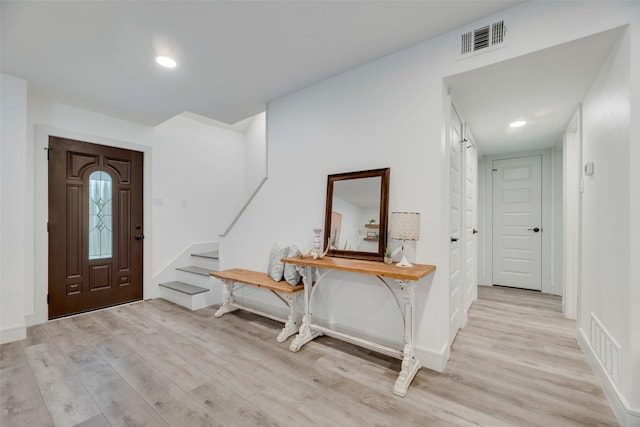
point(434, 360)
point(13, 333)
point(627, 416)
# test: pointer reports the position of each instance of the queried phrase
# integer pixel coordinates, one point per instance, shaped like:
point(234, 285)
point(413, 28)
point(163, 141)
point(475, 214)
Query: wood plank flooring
point(153, 363)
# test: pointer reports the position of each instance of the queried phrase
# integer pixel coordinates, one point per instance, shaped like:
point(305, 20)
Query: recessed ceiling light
point(517, 124)
point(165, 61)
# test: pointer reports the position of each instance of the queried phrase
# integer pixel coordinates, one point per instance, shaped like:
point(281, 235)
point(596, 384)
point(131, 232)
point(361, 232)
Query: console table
point(404, 277)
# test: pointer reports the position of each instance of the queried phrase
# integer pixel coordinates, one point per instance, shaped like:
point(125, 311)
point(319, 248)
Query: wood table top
point(417, 272)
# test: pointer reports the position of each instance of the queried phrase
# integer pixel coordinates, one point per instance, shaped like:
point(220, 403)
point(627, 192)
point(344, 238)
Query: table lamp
point(404, 226)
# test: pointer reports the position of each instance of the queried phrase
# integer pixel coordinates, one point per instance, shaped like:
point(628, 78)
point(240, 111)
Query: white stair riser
point(192, 302)
point(208, 263)
point(193, 279)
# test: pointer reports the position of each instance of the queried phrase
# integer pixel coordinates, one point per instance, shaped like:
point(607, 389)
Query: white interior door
point(455, 257)
point(517, 222)
point(470, 226)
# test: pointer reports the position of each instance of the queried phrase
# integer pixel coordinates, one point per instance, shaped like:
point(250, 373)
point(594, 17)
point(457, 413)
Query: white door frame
point(37, 310)
point(572, 198)
point(547, 210)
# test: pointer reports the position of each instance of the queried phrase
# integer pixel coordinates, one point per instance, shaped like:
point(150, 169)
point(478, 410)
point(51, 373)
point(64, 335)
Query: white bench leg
point(227, 302)
point(292, 324)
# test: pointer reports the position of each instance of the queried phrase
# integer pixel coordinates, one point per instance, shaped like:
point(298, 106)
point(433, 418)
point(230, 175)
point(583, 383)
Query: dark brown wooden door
point(95, 226)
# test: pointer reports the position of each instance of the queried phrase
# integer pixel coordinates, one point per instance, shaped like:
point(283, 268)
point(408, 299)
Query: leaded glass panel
point(100, 216)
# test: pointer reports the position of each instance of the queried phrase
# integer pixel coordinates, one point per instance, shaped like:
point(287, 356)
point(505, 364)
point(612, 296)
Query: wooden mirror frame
point(384, 174)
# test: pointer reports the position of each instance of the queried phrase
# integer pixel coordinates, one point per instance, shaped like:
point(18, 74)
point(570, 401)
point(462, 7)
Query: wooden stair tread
point(185, 288)
point(195, 270)
point(210, 254)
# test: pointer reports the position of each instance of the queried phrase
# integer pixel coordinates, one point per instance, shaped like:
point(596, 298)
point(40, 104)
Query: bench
point(284, 291)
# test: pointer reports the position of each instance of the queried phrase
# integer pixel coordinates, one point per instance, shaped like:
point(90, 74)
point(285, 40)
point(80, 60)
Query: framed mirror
point(356, 215)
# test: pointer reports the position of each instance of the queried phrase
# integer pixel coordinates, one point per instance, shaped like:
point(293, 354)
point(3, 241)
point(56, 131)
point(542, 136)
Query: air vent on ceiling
point(482, 39)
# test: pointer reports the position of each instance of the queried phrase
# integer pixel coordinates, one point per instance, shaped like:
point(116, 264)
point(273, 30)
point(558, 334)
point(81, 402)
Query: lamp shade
point(405, 226)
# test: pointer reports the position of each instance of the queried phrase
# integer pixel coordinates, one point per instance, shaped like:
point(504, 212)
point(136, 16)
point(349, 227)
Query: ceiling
point(233, 56)
point(236, 56)
point(543, 88)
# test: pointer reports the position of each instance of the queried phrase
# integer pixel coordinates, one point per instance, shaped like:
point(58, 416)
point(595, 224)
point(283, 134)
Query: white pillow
point(275, 269)
point(291, 273)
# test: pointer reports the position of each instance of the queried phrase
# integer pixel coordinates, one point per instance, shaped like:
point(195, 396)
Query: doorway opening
point(95, 226)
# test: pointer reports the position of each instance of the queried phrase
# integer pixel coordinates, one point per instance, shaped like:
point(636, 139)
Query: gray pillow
point(275, 269)
point(291, 273)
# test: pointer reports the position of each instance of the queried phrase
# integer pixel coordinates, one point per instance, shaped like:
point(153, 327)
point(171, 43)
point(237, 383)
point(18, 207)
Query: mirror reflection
point(356, 214)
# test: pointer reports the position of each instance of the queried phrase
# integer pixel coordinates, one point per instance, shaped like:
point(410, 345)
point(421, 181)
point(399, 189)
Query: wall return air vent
point(481, 39)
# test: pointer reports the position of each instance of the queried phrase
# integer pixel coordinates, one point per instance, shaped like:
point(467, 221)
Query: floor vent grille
point(605, 348)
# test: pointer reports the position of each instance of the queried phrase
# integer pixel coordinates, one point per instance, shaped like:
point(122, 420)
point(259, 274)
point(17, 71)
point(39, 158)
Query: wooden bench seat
point(287, 293)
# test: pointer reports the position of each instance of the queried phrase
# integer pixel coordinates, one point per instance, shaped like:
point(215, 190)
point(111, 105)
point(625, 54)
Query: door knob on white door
point(534, 229)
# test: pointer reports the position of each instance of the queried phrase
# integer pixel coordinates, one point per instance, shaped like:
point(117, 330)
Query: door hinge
point(494, 170)
point(47, 298)
point(47, 227)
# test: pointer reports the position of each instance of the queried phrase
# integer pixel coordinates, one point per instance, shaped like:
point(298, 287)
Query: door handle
point(139, 237)
point(475, 231)
point(534, 229)
point(454, 239)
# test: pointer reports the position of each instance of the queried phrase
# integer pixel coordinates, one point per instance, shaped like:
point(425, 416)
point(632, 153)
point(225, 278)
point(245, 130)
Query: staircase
point(193, 287)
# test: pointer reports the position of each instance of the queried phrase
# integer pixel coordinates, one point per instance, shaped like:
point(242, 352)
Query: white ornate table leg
point(305, 334)
point(410, 364)
point(291, 326)
point(227, 301)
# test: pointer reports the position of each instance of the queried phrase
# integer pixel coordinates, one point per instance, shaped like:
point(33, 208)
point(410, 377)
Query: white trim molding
point(13, 333)
point(434, 360)
point(627, 415)
point(548, 207)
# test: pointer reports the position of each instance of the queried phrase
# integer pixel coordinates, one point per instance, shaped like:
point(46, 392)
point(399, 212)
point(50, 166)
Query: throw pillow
point(291, 273)
point(275, 269)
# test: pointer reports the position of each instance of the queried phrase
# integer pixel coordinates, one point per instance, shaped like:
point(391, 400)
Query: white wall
point(557, 222)
point(13, 225)
point(255, 159)
point(391, 113)
point(485, 270)
point(634, 209)
point(194, 182)
point(608, 255)
point(198, 173)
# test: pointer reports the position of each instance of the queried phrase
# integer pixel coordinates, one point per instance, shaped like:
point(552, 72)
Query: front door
point(517, 222)
point(95, 226)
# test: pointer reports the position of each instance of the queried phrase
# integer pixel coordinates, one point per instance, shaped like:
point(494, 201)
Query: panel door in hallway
point(95, 226)
point(455, 224)
point(470, 286)
point(517, 222)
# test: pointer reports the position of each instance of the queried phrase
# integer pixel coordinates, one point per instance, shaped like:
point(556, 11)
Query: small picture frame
point(371, 234)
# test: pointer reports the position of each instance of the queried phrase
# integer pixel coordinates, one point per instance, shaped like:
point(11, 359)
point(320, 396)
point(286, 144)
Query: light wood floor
point(153, 363)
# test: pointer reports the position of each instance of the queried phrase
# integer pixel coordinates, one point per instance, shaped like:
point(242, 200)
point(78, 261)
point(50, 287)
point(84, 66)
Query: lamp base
point(404, 262)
